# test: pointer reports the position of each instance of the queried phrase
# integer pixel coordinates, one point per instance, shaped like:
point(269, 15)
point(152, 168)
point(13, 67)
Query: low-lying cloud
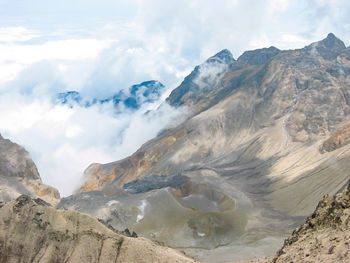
point(209, 74)
point(63, 140)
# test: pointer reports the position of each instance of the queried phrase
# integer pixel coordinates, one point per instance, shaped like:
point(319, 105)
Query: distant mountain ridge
point(145, 92)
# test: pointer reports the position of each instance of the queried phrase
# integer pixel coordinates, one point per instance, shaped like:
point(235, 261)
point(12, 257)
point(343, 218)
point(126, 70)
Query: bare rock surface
point(33, 231)
point(19, 175)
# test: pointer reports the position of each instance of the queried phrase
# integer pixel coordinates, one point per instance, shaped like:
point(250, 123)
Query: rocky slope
point(19, 175)
point(258, 151)
point(324, 237)
point(32, 231)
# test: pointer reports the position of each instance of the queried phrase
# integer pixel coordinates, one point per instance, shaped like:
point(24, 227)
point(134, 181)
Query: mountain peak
point(328, 48)
point(331, 41)
point(331, 36)
point(224, 56)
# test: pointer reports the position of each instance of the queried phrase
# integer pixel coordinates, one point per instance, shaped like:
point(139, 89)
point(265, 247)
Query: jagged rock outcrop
point(19, 175)
point(33, 231)
point(254, 136)
point(338, 139)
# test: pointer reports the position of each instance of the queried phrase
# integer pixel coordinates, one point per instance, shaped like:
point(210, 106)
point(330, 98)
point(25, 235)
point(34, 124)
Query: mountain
point(19, 175)
point(145, 92)
point(266, 138)
point(33, 231)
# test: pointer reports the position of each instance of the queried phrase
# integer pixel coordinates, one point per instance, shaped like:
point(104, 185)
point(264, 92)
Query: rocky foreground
point(33, 231)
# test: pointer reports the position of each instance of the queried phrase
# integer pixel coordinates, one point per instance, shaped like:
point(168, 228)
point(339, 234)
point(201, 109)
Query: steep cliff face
point(19, 175)
point(32, 231)
point(257, 135)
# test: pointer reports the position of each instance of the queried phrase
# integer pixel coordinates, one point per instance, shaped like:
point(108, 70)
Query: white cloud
point(63, 141)
point(209, 74)
point(278, 5)
point(284, 41)
point(72, 49)
point(16, 34)
point(14, 58)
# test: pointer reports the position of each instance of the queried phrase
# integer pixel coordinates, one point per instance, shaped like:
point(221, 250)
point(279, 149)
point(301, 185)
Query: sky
point(101, 47)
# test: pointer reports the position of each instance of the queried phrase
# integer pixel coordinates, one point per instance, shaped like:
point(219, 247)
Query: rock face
point(32, 231)
point(19, 175)
point(325, 237)
point(338, 139)
point(256, 138)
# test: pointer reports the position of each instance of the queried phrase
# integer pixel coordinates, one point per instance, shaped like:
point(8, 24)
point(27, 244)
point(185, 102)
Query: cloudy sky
point(101, 47)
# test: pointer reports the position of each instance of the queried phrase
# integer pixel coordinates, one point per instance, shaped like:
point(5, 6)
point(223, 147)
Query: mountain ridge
point(145, 92)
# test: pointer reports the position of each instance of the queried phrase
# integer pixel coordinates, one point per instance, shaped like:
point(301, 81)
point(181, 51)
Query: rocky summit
point(265, 139)
point(19, 175)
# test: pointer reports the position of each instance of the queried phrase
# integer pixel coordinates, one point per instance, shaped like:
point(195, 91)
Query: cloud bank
point(63, 141)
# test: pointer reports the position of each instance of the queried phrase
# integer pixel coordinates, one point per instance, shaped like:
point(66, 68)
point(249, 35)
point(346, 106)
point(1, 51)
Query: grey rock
point(19, 175)
point(153, 182)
